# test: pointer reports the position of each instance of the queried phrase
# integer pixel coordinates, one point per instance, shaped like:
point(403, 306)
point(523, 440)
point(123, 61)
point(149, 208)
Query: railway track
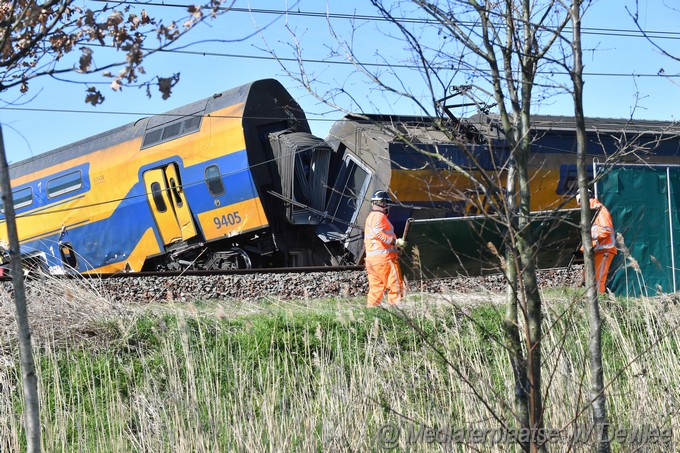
point(204, 273)
point(273, 284)
point(189, 273)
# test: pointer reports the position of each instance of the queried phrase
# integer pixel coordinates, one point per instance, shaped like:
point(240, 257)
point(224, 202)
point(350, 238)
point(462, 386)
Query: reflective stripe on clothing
point(379, 237)
point(381, 252)
point(384, 274)
point(602, 262)
point(602, 230)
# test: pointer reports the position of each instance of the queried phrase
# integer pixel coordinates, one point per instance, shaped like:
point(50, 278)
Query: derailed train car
point(215, 184)
point(237, 181)
point(424, 167)
point(431, 174)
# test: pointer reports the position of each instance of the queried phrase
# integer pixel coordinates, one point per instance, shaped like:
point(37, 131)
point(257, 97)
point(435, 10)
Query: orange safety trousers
point(384, 273)
point(602, 262)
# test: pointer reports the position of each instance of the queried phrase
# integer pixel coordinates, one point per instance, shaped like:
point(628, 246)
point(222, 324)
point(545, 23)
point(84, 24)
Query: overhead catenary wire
point(621, 32)
point(326, 61)
point(441, 67)
point(312, 14)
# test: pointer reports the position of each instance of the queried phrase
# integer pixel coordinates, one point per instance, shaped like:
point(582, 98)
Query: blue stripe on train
point(111, 240)
point(39, 199)
point(238, 183)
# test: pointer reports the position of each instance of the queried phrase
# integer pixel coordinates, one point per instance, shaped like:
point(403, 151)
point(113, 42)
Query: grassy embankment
point(320, 375)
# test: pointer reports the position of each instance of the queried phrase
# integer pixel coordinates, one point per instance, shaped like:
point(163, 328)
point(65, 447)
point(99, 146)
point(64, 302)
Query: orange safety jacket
point(602, 229)
point(379, 237)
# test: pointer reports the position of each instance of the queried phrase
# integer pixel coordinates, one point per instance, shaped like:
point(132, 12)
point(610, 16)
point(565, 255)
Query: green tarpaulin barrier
point(644, 202)
point(639, 199)
point(439, 248)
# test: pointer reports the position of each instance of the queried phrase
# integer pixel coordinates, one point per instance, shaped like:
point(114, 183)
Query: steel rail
point(198, 273)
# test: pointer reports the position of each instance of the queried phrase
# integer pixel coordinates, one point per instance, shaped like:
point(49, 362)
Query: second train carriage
point(428, 182)
point(423, 167)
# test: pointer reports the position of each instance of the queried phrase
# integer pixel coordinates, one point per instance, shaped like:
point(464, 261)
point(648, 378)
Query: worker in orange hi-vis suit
point(604, 240)
point(382, 253)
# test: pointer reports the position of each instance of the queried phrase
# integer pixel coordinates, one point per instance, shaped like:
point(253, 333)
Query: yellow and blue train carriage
point(215, 184)
point(433, 174)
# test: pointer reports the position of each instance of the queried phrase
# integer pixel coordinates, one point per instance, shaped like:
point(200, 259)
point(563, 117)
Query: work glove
point(401, 243)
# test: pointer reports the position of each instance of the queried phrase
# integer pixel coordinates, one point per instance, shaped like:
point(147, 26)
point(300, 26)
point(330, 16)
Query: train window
point(152, 137)
point(192, 124)
point(174, 189)
point(64, 184)
point(158, 199)
point(22, 197)
point(68, 255)
point(213, 179)
point(170, 131)
point(348, 191)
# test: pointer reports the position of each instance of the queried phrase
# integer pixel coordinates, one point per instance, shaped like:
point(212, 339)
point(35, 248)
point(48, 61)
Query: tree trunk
point(511, 323)
point(595, 322)
point(29, 378)
point(534, 319)
point(528, 278)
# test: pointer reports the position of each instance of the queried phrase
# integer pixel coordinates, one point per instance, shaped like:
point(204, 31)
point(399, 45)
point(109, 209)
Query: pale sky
point(621, 70)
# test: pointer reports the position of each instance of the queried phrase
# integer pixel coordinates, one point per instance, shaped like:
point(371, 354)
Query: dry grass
point(60, 310)
point(322, 375)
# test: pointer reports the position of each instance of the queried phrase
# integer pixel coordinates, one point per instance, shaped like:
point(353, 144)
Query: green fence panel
point(674, 174)
point(637, 198)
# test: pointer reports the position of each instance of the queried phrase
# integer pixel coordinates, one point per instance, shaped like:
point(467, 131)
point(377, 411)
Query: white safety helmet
point(381, 197)
point(578, 196)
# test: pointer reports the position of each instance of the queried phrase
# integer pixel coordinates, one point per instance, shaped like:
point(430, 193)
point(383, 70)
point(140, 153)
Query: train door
point(168, 204)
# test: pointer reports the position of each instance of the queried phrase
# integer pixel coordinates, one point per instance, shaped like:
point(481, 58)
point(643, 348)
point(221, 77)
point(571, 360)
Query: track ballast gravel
point(311, 285)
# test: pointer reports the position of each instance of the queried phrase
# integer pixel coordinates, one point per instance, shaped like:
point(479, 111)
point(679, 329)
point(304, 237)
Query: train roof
point(254, 94)
point(489, 125)
point(420, 129)
point(593, 124)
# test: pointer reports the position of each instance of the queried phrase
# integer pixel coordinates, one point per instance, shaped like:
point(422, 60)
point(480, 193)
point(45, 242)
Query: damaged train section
point(238, 180)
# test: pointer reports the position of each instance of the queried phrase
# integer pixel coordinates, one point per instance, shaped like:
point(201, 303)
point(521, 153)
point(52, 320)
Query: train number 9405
point(227, 220)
